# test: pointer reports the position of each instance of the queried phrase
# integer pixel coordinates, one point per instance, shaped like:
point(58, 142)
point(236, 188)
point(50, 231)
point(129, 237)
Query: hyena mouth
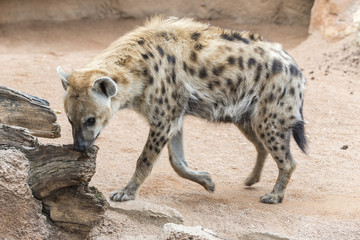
point(93, 141)
point(84, 146)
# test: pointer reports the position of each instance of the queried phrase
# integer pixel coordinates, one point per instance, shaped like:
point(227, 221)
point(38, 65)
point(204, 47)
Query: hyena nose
point(80, 147)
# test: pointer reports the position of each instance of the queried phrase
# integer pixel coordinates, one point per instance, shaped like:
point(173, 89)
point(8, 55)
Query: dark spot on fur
point(251, 62)
point(253, 100)
point(216, 82)
point(141, 41)
point(293, 70)
point(156, 67)
point(162, 88)
point(191, 71)
point(151, 80)
point(241, 63)
point(145, 72)
point(227, 37)
point(282, 121)
point(173, 75)
point(171, 59)
point(231, 60)
point(185, 67)
point(240, 79)
point(271, 97)
point(258, 72)
point(203, 73)
point(160, 50)
point(237, 36)
point(229, 82)
point(193, 56)
point(198, 46)
point(156, 110)
point(218, 70)
point(168, 79)
point(210, 86)
point(276, 66)
point(195, 36)
point(151, 54)
point(281, 96)
point(260, 51)
point(145, 56)
point(262, 136)
point(292, 91)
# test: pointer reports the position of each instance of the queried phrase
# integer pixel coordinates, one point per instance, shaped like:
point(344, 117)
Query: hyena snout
point(81, 143)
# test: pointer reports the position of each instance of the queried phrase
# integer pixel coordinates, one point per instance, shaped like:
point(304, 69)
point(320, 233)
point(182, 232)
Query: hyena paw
point(206, 182)
point(271, 198)
point(251, 180)
point(122, 196)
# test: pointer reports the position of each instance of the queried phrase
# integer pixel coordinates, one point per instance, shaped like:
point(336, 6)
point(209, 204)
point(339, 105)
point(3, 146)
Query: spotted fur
point(171, 68)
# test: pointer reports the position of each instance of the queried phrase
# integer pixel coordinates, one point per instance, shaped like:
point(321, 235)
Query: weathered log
point(23, 110)
point(54, 167)
point(76, 209)
point(17, 137)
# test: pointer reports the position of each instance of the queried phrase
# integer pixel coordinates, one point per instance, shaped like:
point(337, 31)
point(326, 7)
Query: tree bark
point(23, 110)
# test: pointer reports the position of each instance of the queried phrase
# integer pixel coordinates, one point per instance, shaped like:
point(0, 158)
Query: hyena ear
point(64, 77)
point(105, 85)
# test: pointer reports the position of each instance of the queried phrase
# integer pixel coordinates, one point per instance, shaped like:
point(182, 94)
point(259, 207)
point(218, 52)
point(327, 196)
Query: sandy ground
point(323, 198)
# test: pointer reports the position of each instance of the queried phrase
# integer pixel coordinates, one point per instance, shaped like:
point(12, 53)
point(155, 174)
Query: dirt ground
point(323, 198)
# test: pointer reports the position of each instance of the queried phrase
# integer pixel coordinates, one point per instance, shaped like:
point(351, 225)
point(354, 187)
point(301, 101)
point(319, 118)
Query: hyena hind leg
point(262, 153)
point(178, 162)
point(277, 142)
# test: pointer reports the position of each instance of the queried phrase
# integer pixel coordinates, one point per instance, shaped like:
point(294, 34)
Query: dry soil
point(323, 197)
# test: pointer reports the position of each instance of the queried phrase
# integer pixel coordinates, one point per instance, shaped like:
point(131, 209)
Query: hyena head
point(87, 104)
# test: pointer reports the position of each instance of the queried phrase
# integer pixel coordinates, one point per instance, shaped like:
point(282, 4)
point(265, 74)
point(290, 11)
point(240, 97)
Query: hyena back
point(171, 68)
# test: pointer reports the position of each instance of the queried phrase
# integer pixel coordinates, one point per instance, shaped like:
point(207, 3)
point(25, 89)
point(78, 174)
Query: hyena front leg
point(262, 153)
point(178, 162)
point(157, 139)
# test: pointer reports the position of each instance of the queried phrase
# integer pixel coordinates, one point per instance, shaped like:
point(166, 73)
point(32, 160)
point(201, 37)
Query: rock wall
point(21, 214)
point(335, 19)
point(241, 11)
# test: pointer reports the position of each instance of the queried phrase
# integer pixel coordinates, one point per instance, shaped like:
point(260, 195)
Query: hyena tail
point(298, 132)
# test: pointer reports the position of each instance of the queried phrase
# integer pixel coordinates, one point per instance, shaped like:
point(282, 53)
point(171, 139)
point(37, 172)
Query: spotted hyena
point(171, 68)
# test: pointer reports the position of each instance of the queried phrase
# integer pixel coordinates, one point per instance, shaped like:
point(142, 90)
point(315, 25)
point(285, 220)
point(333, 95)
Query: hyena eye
point(90, 121)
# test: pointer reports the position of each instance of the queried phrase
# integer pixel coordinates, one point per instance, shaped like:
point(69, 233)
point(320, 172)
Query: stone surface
point(335, 19)
point(241, 11)
point(145, 212)
point(21, 214)
point(173, 231)
point(262, 236)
